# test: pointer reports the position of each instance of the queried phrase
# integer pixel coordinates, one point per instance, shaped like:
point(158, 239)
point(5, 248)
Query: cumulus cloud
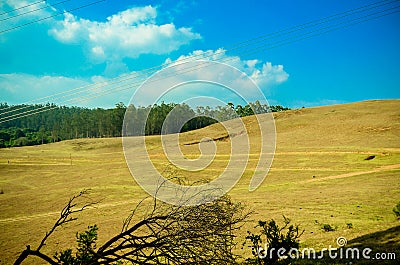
point(17, 12)
point(95, 91)
point(18, 88)
point(23, 82)
point(24, 8)
point(263, 74)
point(186, 78)
point(126, 34)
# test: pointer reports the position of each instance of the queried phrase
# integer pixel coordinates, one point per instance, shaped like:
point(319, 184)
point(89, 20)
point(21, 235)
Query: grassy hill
point(319, 176)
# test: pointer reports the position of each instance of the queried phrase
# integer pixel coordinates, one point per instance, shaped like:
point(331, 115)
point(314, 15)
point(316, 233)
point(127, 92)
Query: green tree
point(118, 114)
point(274, 238)
point(22, 141)
point(85, 250)
point(42, 134)
point(53, 123)
point(19, 133)
point(396, 210)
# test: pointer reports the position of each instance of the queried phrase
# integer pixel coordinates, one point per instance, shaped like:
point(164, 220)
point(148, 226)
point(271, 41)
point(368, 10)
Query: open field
point(319, 176)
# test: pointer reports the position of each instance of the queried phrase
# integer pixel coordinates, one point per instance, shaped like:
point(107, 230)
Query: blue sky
point(115, 38)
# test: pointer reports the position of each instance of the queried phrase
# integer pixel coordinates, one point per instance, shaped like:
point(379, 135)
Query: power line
point(127, 77)
point(256, 50)
point(264, 47)
point(234, 47)
point(320, 21)
point(34, 10)
point(336, 27)
point(48, 17)
point(22, 7)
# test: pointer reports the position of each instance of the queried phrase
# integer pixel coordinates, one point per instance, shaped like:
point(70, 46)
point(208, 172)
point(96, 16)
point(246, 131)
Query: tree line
point(46, 123)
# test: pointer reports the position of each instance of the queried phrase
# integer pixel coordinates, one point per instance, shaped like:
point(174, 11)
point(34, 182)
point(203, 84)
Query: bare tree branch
point(165, 234)
point(65, 216)
point(181, 235)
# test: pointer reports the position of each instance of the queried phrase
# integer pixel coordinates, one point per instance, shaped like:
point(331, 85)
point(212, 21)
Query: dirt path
point(49, 214)
point(352, 174)
point(345, 175)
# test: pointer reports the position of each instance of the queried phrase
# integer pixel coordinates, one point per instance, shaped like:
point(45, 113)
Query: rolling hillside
point(319, 175)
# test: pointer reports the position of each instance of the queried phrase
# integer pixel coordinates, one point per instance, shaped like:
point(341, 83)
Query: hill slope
point(319, 175)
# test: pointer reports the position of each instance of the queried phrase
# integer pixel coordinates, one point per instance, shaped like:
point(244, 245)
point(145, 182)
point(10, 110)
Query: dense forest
point(22, 125)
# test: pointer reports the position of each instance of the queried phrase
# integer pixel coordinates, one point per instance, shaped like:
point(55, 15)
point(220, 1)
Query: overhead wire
point(22, 7)
point(34, 10)
point(234, 47)
point(254, 51)
point(341, 25)
point(129, 85)
point(246, 43)
point(280, 43)
point(321, 21)
point(51, 16)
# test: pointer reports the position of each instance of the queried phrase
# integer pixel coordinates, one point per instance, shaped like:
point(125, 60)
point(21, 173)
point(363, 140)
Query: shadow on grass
point(379, 241)
point(382, 244)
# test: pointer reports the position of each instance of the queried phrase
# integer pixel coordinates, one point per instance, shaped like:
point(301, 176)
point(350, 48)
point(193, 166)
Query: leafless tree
point(67, 215)
point(167, 234)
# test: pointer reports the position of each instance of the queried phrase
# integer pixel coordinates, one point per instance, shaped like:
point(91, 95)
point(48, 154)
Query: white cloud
point(134, 16)
point(268, 74)
point(37, 84)
point(96, 91)
point(187, 78)
point(263, 74)
point(126, 34)
point(316, 103)
point(22, 8)
point(18, 88)
point(69, 29)
point(17, 12)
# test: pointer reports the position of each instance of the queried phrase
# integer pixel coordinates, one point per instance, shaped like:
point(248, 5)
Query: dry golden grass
point(329, 143)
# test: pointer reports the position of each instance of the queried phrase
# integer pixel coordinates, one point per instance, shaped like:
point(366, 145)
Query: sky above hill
point(51, 47)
